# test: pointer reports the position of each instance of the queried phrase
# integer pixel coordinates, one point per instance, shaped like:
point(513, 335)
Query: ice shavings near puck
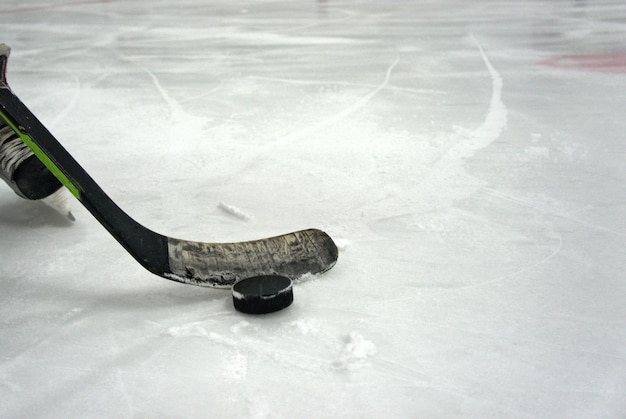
point(263, 294)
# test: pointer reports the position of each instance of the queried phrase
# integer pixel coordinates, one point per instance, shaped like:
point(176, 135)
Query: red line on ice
point(606, 63)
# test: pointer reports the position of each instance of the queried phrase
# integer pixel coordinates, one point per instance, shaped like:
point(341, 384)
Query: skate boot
point(27, 175)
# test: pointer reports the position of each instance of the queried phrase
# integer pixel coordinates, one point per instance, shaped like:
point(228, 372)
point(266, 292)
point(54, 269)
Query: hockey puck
point(262, 294)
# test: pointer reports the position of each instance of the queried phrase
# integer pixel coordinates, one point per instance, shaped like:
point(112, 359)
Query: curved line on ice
point(337, 117)
point(70, 104)
point(28, 9)
point(495, 120)
point(346, 83)
point(506, 276)
point(175, 108)
point(177, 112)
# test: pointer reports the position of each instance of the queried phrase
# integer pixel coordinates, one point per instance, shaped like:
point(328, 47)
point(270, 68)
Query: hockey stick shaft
point(59, 161)
point(206, 264)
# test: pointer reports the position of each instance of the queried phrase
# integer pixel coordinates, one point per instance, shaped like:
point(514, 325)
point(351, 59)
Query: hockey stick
point(197, 263)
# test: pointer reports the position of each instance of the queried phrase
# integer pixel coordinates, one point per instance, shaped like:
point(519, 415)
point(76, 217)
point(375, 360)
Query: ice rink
point(468, 157)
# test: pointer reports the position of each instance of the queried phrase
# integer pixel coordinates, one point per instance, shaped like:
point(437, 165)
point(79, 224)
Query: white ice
point(468, 157)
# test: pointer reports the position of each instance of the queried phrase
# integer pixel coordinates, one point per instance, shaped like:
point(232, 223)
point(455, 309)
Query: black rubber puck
point(262, 294)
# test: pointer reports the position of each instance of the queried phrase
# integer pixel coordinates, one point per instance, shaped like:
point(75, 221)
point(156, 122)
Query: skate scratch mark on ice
point(125, 394)
point(50, 7)
point(336, 118)
point(373, 316)
point(178, 113)
point(503, 277)
point(550, 212)
point(347, 83)
point(498, 278)
point(182, 123)
point(403, 372)
point(420, 379)
point(116, 348)
point(71, 104)
point(202, 95)
point(555, 252)
point(175, 108)
point(494, 123)
point(25, 353)
point(262, 349)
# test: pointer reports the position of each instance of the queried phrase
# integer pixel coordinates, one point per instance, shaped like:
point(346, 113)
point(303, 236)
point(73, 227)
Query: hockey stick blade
point(204, 264)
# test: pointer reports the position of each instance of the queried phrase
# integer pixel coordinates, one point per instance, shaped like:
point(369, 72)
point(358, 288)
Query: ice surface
point(469, 158)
